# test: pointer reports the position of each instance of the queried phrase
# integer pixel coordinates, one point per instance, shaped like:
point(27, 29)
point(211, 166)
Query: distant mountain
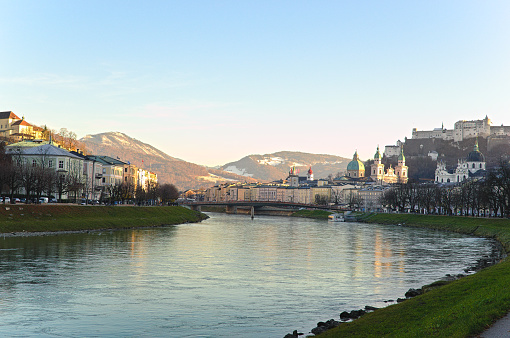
point(184, 175)
point(270, 167)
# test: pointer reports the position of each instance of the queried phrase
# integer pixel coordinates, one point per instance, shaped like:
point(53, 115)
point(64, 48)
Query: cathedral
point(472, 166)
point(391, 175)
point(399, 174)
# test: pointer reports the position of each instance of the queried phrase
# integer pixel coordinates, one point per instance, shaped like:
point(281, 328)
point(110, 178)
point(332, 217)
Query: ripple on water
point(227, 276)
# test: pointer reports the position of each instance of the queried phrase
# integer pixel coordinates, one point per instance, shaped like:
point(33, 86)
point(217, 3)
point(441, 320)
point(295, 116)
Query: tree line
point(487, 196)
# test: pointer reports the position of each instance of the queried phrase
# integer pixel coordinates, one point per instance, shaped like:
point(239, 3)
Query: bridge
point(231, 206)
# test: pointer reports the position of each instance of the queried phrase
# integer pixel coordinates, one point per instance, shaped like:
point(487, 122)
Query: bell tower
point(377, 167)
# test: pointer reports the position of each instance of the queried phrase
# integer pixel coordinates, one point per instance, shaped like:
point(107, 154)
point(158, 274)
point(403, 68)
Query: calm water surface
point(229, 276)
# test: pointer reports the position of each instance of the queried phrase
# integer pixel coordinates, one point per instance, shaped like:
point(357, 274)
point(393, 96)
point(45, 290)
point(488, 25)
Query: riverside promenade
point(499, 329)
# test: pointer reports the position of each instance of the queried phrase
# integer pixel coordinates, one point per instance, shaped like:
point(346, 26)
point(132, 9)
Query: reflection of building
point(470, 167)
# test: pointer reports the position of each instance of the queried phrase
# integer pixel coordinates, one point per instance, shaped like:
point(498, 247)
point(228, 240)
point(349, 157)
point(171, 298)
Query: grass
point(462, 308)
point(317, 214)
point(54, 217)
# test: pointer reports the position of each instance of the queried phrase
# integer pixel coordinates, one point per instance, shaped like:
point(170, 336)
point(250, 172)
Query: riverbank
point(20, 219)
point(465, 307)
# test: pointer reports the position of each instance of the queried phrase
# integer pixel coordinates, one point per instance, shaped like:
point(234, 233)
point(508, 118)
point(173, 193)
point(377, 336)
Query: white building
point(473, 165)
point(462, 130)
point(68, 166)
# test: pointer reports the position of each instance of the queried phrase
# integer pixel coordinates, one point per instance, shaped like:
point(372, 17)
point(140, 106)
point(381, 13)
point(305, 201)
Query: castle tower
point(401, 168)
point(377, 167)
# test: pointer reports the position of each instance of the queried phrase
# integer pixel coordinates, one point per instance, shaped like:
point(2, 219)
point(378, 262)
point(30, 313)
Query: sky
point(213, 81)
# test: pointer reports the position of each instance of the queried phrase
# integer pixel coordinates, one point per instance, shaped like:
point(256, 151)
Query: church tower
point(377, 167)
point(309, 175)
point(401, 168)
point(293, 178)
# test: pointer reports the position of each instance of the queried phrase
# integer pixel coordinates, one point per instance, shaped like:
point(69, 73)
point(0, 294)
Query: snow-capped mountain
point(184, 175)
point(270, 167)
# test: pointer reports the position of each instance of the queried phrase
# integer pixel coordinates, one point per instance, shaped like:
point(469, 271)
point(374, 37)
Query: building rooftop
point(8, 115)
point(45, 149)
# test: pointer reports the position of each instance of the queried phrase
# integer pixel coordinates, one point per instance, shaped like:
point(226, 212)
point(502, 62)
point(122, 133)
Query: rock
point(345, 315)
point(318, 330)
point(413, 293)
point(332, 323)
point(400, 300)
point(355, 314)
point(324, 326)
point(294, 334)
point(370, 308)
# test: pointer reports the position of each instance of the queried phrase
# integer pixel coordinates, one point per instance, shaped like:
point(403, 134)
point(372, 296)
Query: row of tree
point(489, 196)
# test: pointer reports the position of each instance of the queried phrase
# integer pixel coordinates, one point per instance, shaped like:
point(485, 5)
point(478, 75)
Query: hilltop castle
point(463, 130)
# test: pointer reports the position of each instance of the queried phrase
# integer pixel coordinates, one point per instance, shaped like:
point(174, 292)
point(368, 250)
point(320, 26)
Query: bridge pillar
point(196, 207)
point(231, 209)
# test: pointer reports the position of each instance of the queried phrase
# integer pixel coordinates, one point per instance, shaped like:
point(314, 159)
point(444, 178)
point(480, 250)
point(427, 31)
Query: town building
point(67, 166)
point(17, 129)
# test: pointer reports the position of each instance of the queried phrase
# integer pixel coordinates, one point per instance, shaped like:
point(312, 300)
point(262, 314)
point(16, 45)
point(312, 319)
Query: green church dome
point(356, 164)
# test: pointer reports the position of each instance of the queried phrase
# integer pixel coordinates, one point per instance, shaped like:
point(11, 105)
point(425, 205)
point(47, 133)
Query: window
point(34, 163)
point(50, 163)
point(60, 164)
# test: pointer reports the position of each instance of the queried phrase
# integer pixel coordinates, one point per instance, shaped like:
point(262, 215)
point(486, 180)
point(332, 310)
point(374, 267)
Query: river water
point(228, 276)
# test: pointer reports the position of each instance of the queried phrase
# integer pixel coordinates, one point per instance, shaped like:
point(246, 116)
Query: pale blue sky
point(213, 81)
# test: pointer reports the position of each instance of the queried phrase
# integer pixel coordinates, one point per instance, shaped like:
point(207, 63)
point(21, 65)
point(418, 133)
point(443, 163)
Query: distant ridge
point(275, 166)
point(184, 175)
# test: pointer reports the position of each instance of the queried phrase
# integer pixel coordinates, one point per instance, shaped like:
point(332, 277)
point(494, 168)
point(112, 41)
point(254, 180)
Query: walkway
point(500, 329)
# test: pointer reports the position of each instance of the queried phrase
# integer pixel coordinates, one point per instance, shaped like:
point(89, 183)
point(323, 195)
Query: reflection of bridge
point(231, 206)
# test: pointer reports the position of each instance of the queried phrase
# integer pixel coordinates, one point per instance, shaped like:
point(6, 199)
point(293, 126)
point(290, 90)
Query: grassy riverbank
point(316, 214)
point(54, 217)
point(462, 308)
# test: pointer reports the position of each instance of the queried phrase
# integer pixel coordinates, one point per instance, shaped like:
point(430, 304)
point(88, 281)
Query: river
point(228, 276)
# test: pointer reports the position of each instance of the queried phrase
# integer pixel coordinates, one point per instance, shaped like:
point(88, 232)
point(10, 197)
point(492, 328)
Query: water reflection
point(228, 276)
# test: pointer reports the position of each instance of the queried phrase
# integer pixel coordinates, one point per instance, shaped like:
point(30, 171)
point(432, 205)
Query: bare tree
point(168, 193)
